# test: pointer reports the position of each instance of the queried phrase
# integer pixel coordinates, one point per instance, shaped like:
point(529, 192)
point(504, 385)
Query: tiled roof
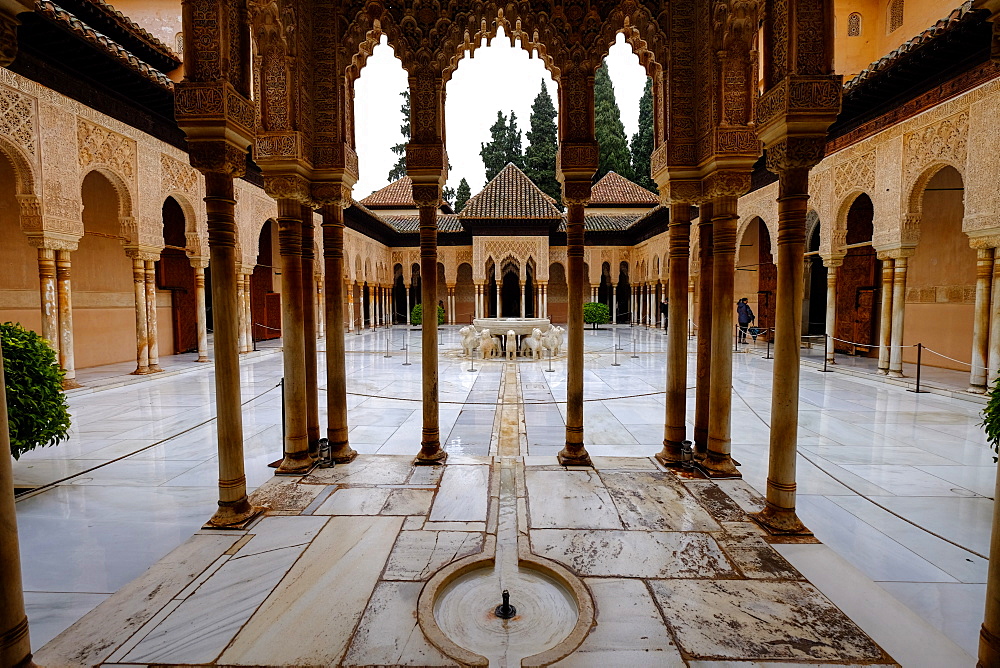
point(613, 188)
point(602, 223)
point(105, 43)
point(447, 222)
point(510, 194)
point(398, 194)
point(956, 16)
point(137, 30)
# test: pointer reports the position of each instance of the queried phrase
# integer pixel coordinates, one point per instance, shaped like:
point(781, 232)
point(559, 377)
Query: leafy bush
point(991, 418)
point(417, 315)
point(36, 407)
point(596, 313)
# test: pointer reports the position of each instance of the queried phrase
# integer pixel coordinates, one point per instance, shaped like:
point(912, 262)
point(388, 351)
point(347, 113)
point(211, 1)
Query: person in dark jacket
point(745, 316)
point(664, 312)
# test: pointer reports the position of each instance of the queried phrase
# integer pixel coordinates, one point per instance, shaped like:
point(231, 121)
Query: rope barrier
point(506, 403)
point(866, 345)
point(968, 364)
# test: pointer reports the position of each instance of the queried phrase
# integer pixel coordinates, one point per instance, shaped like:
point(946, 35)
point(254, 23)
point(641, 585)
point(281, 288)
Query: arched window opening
point(854, 24)
point(895, 18)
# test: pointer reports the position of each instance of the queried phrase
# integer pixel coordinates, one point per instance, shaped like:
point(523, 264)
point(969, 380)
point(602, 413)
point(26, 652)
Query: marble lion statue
point(511, 344)
point(553, 339)
point(470, 339)
point(532, 345)
point(488, 345)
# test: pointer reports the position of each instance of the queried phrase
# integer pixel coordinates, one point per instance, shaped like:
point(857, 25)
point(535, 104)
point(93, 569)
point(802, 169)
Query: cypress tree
point(642, 141)
point(615, 155)
point(398, 170)
point(462, 196)
point(540, 156)
point(504, 146)
point(514, 153)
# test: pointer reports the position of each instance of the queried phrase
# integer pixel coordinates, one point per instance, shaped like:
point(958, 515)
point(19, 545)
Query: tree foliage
point(462, 195)
point(398, 170)
point(36, 407)
point(642, 141)
point(504, 146)
point(596, 313)
point(543, 142)
point(991, 418)
point(615, 156)
point(417, 315)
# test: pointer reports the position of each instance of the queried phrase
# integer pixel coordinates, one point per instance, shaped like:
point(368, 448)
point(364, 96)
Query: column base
point(70, 384)
point(989, 649)
point(203, 359)
point(830, 361)
point(780, 521)
point(719, 466)
point(434, 458)
point(896, 374)
point(342, 453)
point(155, 368)
point(670, 455)
point(298, 463)
point(574, 455)
point(881, 372)
point(976, 389)
point(233, 515)
point(141, 371)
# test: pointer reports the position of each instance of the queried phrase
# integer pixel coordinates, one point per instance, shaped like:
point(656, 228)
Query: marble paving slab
point(575, 499)
point(285, 494)
point(388, 634)
point(714, 499)
point(317, 602)
point(747, 619)
point(417, 555)
point(633, 554)
point(365, 470)
point(462, 495)
point(656, 501)
point(629, 631)
point(745, 546)
point(94, 638)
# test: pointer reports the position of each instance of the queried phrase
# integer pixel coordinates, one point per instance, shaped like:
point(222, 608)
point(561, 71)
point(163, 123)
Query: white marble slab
point(388, 634)
point(408, 502)
point(321, 599)
point(633, 554)
point(956, 609)
point(355, 501)
point(417, 555)
point(569, 499)
point(629, 632)
point(462, 495)
point(366, 470)
point(656, 501)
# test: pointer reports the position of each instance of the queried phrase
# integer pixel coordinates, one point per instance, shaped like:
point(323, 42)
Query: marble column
point(408, 304)
point(703, 318)
point(431, 451)
point(981, 325)
point(898, 310)
point(241, 341)
point(793, 196)
point(141, 331)
point(679, 244)
point(545, 300)
point(574, 454)
point(451, 304)
point(201, 314)
point(15, 644)
point(49, 297)
point(247, 290)
point(885, 315)
point(308, 250)
point(151, 329)
point(348, 290)
point(499, 313)
point(989, 632)
point(993, 359)
point(631, 307)
point(614, 303)
point(831, 307)
point(296, 458)
point(220, 204)
point(336, 373)
point(320, 305)
point(718, 460)
point(522, 298)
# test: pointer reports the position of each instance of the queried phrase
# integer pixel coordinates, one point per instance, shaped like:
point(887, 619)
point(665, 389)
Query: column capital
point(985, 239)
point(54, 241)
point(896, 253)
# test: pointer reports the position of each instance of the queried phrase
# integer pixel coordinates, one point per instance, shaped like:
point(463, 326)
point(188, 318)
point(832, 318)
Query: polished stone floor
point(896, 485)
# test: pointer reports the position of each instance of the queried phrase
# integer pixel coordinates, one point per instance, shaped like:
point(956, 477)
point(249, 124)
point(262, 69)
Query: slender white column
point(885, 315)
point(407, 303)
point(614, 303)
point(154, 353)
point(831, 307)
point(247, 290)
point(898, 310)
point(241, 314)
point(141, 340)
point(320, 306)
point(349, 291)
point(499, 314)
point(49, 297)
point(994, 354)
point(200, 313)
point(522, 298)
point(981, 325)
point(545, 299)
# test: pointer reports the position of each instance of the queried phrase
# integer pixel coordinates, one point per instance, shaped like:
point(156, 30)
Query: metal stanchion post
point(614, 351)
point(550, 361)
point(767, 355)
point(917, 389)
point(406, 353)
point(634, 356)
point(387, 353)
point(472, 356)
point(826, 347)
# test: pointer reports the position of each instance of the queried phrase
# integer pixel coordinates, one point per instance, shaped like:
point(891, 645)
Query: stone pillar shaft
point(574, 453)
point(885, 317)
point(522, 298)
point(154, 354)
point(545, 300)
point(431, 451)
point(49, 297)
point(408, 305)
point(674, 427)
point(241, 286)
point(898, 310)
point(717, 459)
point(336, 374)
point(200, 313)
point(793, 196)
point(349, 290)
point(247, 289)
point(993, 360)
point(220, 203)
point(703, 351)
point(141, 340)
point(15, 644)
point(981, 325)
point(292, 338)
point(309, 328)
point(831, 311)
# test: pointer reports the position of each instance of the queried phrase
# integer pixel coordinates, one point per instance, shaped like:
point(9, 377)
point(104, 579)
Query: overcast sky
point(499, 77)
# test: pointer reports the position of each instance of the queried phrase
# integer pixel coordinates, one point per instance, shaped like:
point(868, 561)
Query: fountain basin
point(521, 326)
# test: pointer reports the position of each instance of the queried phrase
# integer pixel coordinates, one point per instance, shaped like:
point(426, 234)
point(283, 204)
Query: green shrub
point(991, 418)
point(36, 407)
point(595, 313)
point(417, 315)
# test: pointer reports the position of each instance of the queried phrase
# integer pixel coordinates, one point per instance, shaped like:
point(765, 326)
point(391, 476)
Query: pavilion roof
point(615, 190)
point(446, 222)
point(396, 195)
point(511, 195)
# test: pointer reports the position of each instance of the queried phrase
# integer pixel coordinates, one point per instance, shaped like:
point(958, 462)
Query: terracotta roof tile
point(398, 195)
point(447, 222)
point(613, 188)
point(510, 194)
point(603, 223)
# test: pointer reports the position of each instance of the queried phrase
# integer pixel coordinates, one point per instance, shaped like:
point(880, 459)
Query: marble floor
point(897, 487)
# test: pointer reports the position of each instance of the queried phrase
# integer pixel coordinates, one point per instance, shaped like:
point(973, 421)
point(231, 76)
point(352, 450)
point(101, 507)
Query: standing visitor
point(745, 316)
